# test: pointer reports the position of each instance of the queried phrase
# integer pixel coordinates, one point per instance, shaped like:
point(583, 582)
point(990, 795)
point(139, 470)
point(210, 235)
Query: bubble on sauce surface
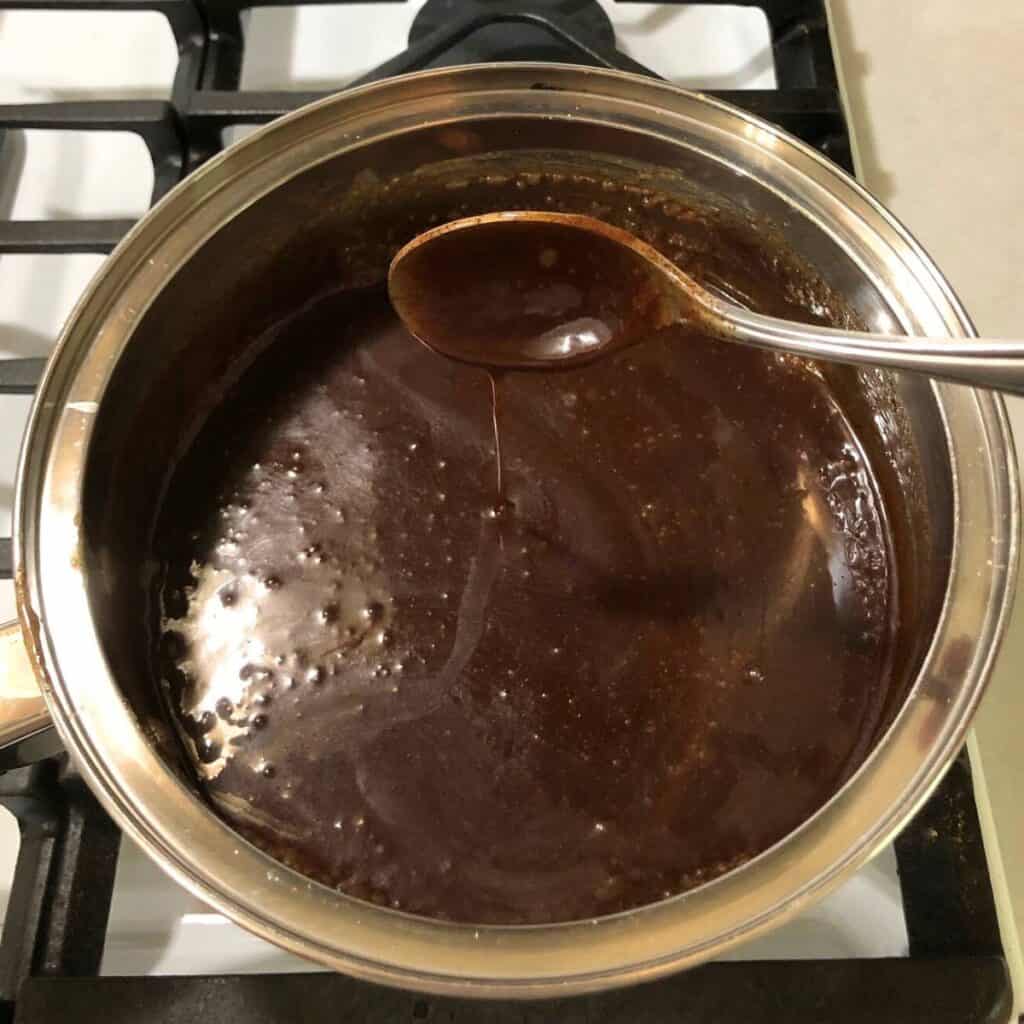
point(243, 618)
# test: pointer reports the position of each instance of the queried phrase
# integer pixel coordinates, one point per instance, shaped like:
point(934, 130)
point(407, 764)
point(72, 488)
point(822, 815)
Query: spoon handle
point(994, 364)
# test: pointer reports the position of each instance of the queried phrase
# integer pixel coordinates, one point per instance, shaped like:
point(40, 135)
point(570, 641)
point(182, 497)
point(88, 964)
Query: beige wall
point(935, 91)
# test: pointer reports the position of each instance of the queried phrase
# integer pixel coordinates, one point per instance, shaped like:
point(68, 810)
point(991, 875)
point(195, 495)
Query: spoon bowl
point(532, 290)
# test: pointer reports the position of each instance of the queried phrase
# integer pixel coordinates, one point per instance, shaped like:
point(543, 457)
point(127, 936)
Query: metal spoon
point(534, 290)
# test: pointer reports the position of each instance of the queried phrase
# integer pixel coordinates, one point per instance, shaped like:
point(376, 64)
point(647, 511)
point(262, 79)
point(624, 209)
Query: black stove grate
point(56, 922)
point(55, 928)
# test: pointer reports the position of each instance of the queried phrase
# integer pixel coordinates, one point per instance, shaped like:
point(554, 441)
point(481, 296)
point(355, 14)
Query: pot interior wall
point(338, 224)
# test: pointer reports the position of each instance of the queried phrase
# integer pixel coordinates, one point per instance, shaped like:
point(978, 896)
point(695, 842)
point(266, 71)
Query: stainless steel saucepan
point(281, 216)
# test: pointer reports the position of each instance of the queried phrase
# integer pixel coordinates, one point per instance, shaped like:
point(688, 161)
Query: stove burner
point(500, 39)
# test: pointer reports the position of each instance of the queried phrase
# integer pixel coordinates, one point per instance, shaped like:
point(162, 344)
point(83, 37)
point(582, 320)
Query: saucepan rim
point(177, 830)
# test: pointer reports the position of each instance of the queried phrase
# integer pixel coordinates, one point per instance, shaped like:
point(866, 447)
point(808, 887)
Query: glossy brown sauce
point(668, 650)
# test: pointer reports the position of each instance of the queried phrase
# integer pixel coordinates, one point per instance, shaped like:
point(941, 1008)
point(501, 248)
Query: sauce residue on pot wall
point(668, 653)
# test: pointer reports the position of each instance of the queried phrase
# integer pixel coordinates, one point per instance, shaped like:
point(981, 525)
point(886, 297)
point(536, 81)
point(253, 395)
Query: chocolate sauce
point(494, 377)
point(666, 649)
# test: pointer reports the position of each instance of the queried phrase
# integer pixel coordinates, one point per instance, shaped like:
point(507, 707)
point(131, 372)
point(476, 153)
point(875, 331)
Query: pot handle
point(26, 729)
point(17, 377)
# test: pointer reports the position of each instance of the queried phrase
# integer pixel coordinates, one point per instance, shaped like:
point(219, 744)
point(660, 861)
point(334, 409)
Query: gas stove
point(104, 106)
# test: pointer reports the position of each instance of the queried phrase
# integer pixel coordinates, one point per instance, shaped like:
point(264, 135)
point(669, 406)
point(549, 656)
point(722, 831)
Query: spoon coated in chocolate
point(537, 289)
point(529, 290)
